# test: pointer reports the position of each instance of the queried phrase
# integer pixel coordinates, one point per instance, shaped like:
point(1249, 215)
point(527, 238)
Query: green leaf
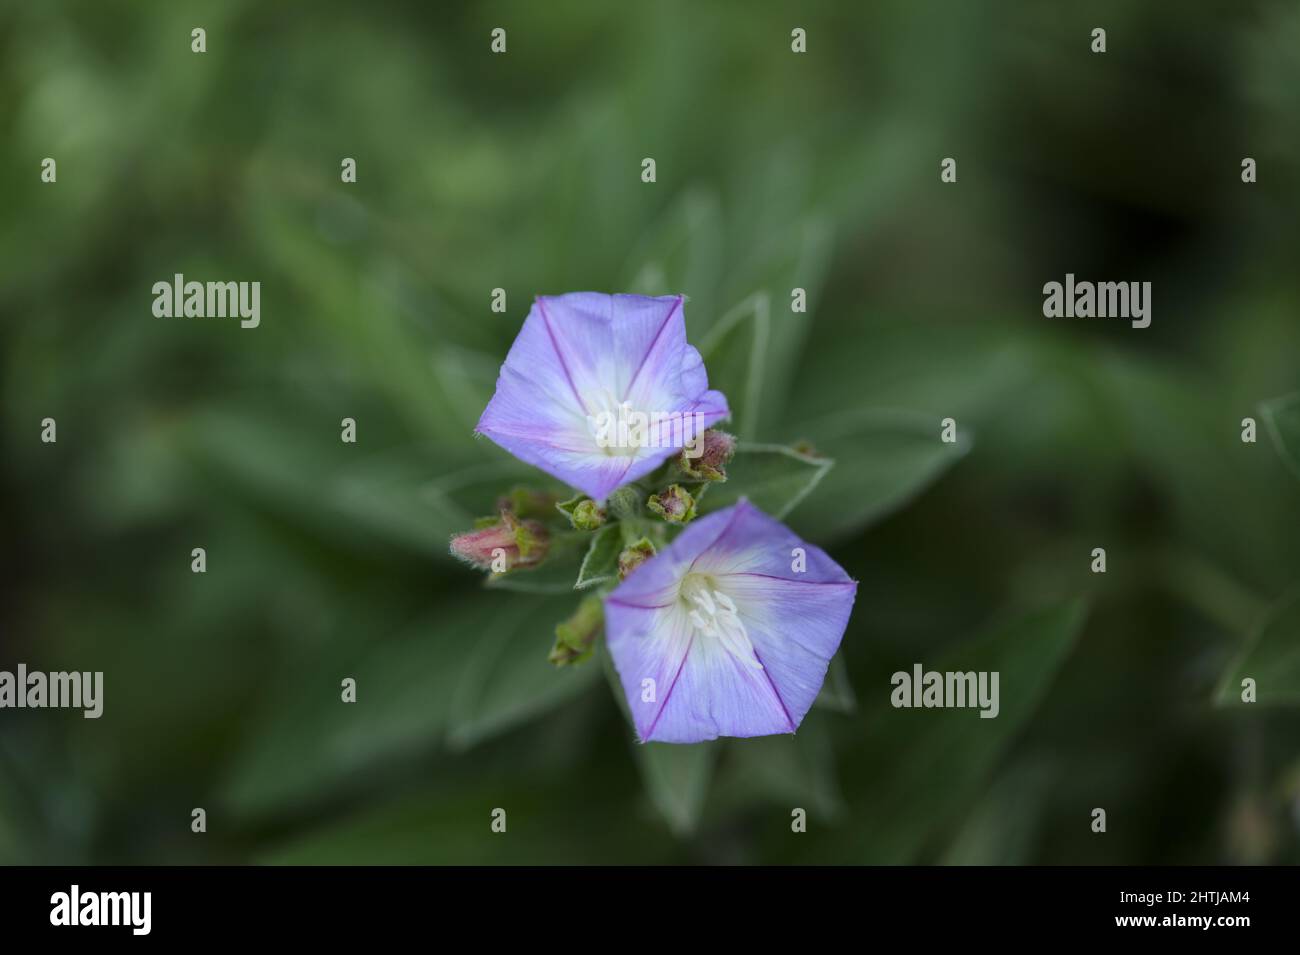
point(395, 496)
point(468, 379)
point(450, 680)
point(905, 747)
point(1272, 659)
point(1004, 826)
point(883, 459)
point(837, 693)
point(600, 565)
point(1282, 419)
point(790, 770)
point(510, 680)
point(550, 808)
point(676, 776)
point(776, 245)
point(681, 254)
point(774, 478)
point(734, 353)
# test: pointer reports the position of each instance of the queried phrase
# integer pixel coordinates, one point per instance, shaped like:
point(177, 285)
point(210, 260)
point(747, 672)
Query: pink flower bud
point(503, 545)
point(710, 464)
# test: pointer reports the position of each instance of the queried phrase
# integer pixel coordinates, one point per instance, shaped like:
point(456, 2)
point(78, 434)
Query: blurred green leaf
point(1282, 418)
point(509, 680)
point(469, 380)
point(600, 565)
point(931, 763)
point(681, 254)
point(883, 459)
point(795, 770)
point(456, 677)
point(676, 776)
point(1189, 448)
point(780, 247)
point(734, 353)
point(337, 489)
point(1272, 659)
point(775, 478)
point(677, 779)
point(392, 495)
point(837, 692)
point(1003, 826)
point(549, 816)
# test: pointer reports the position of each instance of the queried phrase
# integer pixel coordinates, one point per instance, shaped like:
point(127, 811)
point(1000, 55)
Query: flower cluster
point(718, 622)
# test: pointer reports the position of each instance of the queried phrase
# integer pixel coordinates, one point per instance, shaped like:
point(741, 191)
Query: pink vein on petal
point(541, 308)
point(735, 514)
point(655, 341)
point(777, 693)
point(789, 580)
point(672, 686)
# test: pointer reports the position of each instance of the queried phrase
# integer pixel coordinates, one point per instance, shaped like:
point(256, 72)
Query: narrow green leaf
point(677, 780)
point(510, 680)
point(774, 478)
point(837, 693)
point(734, 353)
point(454, 678)
point(883, 459)
point(395, 496)
point(681, 254)
point(1003, 827)
point(1282, 419)
point(1272, 659)
point(600, 565)
point(790, 771)
point(906, 747)
point(676, 777)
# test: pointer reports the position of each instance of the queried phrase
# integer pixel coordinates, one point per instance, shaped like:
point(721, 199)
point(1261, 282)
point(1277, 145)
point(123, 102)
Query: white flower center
point(715, 616)
point(618, 429)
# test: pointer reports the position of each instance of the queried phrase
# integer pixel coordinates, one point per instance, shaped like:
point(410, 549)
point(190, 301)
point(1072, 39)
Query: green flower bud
point(634, 556)
point(575, 638)
point(583, 513)
point(675, 505)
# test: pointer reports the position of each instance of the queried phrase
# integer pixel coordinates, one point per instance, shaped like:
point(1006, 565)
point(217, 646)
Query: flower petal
point(584, 354)
point(792, 599)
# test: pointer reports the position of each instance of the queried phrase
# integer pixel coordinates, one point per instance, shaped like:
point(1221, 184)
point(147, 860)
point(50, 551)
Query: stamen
point(716, 616)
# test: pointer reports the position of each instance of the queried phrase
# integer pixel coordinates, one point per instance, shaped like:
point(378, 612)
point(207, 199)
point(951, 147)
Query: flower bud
point(806, 448)
point(588, 515)
point(583, 513)
point(634, 556)
point(674, 505)
point(710, 463)
point(575, 637)
point(503, 544)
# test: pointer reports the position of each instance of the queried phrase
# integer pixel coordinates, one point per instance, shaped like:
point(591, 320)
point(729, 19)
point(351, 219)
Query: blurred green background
point(774, 171)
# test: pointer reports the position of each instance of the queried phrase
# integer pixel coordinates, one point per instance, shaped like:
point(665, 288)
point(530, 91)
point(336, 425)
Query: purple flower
point(727, 632)
point(598, 390)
